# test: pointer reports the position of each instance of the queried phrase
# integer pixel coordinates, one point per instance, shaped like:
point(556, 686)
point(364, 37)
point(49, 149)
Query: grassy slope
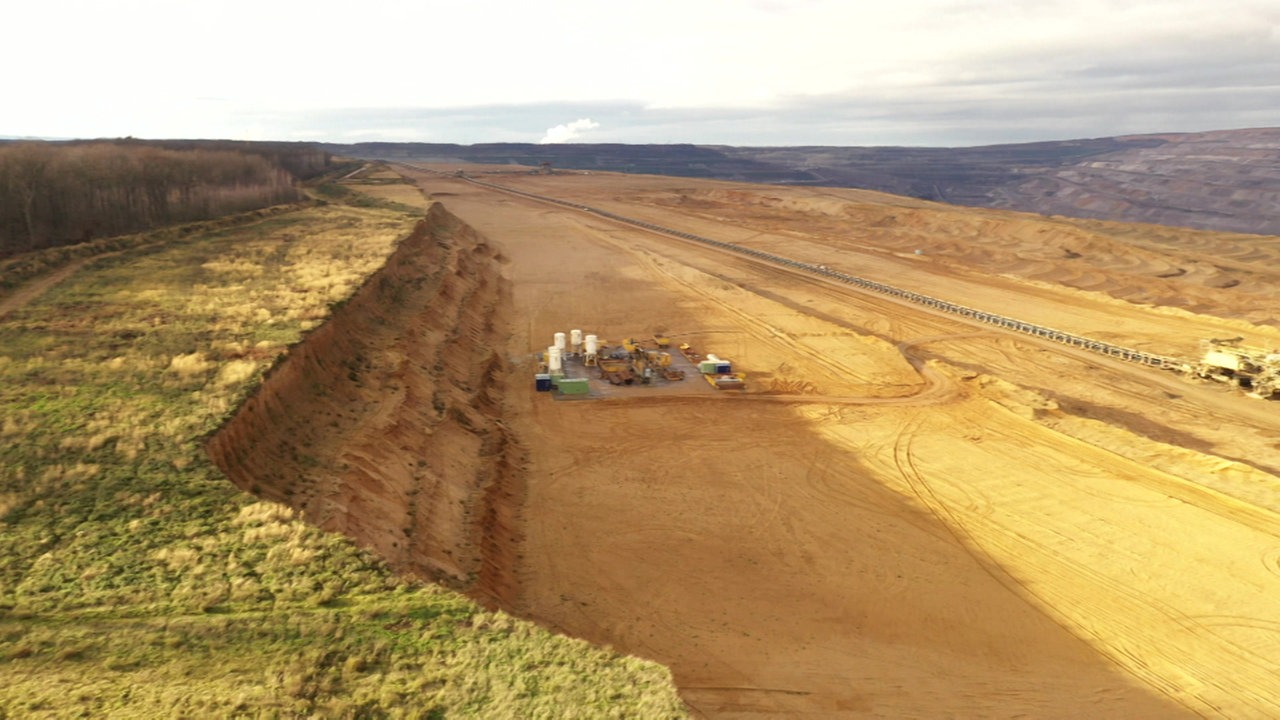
point(134, 580)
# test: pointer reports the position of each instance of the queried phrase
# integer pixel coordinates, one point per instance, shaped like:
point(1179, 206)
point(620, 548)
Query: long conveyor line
point(1066, 338)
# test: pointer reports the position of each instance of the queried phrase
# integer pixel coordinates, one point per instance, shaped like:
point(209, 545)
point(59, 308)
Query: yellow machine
point(727, 381)
point(648, 364)
point(617, 372)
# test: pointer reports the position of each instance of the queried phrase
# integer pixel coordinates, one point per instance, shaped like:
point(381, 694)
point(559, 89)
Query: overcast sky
point(746, 72)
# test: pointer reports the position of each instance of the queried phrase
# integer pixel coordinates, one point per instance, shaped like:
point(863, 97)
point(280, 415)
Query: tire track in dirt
point(1271, 561)
point(904, 462)
point(1131, 624)
point(863, 284)
point(1130, 615)
point(977, 505)
point(934, 388)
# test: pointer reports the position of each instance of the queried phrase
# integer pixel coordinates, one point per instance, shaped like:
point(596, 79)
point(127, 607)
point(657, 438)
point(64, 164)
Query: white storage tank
point(560, 341)
point(593, 344)
point(575, 337)
point(553, 359)
point(713, 358)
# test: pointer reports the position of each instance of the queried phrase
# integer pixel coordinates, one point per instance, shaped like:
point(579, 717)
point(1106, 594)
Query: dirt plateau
point(904, 515)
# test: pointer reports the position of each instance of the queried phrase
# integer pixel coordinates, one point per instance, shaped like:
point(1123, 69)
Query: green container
point(574, 386)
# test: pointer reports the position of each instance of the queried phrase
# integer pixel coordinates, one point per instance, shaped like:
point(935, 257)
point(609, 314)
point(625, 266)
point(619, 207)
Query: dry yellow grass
point(136, 582)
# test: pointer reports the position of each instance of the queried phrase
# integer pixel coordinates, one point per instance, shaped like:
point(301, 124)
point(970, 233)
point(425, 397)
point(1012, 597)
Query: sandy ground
point(905, 515)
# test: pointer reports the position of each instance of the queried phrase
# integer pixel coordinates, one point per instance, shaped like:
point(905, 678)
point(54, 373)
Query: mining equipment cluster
point(719, 373)
point(1254, 370)
point(572, 358)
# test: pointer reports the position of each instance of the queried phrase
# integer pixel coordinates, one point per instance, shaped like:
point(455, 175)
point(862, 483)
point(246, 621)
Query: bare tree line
point(303, 160)
point(56, 194)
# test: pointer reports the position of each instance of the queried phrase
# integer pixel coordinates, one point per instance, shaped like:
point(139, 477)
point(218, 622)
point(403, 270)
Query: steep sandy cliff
point(386, 423)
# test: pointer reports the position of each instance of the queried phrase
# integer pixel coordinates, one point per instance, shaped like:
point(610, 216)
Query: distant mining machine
point(649, 364)
point(1254, 370)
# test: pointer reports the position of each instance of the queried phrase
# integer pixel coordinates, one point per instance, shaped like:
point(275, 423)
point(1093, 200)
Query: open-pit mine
point(977, 465)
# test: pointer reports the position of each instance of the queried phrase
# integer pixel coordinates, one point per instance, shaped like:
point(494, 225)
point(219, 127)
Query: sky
point(731, 72)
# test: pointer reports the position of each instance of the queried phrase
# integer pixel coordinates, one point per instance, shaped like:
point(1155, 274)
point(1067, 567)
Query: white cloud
point(569, 131)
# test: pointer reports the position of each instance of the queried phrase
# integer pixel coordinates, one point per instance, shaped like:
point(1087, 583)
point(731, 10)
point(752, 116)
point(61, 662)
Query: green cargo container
point(574, 386)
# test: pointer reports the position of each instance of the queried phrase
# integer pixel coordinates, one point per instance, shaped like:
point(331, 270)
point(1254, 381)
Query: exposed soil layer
point(386, 423)
point(903, 515)
point(1220, 180)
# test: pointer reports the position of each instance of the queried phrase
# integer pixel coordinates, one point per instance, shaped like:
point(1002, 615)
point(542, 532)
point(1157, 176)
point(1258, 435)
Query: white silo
point(593, 346)
point(560, 341)
point(575, 341)
point(554, 355)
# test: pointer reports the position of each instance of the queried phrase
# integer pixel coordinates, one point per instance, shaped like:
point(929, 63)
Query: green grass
point(351, 193)
point(17, 270)
point(135, 581)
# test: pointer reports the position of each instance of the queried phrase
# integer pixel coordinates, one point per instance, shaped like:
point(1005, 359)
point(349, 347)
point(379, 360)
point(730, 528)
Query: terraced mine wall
point(386, 422)
point(1008, 323)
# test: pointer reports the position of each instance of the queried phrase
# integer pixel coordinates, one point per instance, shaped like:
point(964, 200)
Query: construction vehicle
point(726, 381)
point(649, 364)
point(1254, 370)
point(615, 370)
point(717, 372)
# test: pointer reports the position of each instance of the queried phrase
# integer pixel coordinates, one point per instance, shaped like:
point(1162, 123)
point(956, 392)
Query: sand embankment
point(385, 423)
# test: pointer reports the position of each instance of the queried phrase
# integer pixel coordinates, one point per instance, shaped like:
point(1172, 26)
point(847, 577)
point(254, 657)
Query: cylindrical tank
point(575, 337)
point(713, 358)
point(554, 355)
point(560, 341)
point(593, 344)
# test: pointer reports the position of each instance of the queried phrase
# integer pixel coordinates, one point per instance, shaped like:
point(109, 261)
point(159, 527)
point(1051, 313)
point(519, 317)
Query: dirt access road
point(905, 515)
point(28, 293)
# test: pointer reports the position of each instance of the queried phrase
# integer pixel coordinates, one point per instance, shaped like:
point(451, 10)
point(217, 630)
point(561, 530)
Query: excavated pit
point(386, 422)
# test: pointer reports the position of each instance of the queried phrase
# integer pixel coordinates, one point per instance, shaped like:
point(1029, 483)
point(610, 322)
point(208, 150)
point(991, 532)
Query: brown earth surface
point(1226, 180)
point(1222, 180)
point(904, 515)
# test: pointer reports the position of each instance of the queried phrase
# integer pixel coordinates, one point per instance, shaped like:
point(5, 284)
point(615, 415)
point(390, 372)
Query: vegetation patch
point(136, 581)
point(65, 193)
point(18, 269)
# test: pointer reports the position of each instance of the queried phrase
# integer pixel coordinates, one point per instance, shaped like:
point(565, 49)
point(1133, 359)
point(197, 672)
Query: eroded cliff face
point(385, 423)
